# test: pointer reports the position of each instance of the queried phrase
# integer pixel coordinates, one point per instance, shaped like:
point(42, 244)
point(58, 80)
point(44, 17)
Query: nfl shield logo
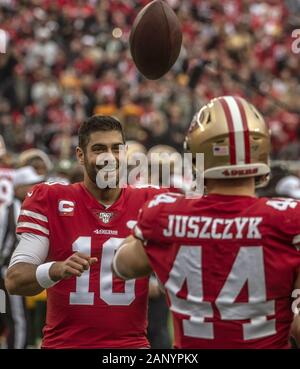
point(105, 217)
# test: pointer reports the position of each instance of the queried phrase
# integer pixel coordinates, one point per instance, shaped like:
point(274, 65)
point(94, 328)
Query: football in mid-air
point(155, 39)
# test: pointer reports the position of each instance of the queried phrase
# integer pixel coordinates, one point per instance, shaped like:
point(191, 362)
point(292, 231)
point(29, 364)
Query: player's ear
point(80, 155)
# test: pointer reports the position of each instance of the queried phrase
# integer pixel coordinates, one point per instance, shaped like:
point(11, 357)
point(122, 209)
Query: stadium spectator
point(62, 66)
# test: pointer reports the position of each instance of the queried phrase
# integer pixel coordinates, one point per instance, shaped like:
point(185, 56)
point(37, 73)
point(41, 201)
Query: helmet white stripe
point(238, 129)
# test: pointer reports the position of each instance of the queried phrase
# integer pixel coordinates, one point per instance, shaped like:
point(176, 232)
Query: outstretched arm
point(27, 274)
point(131, 260)
point(21, 280)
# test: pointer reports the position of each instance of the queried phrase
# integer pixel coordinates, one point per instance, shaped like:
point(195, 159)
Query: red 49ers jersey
point(95, 310)
point(228, 264)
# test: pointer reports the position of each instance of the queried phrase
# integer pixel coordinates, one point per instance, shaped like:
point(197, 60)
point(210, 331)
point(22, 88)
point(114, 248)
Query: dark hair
point(97, 123)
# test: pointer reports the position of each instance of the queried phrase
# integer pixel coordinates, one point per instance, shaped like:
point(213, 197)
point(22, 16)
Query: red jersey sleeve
point(286, 218)
point(292, 224)
point(153, 218)
point(154, 191)
point(147, 222)
point(33, 217)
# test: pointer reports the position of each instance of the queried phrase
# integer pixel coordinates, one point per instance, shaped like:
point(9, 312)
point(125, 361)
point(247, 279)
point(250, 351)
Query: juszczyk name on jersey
point(184, 226)
point(2, 302)
point(160, 169)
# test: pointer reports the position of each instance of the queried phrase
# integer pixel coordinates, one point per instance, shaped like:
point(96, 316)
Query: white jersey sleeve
point(32, 249)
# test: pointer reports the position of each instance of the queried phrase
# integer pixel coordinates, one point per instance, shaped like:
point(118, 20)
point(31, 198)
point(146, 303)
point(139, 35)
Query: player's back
point(228, 264)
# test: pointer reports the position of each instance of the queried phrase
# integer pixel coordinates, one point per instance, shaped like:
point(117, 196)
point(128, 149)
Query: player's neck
point(106, 196)
point(235, 187)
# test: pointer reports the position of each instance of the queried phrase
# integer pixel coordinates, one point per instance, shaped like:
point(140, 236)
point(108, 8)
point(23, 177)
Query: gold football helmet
point(234, 139)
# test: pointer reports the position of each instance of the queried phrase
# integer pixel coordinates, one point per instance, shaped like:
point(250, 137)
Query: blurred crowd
point(67, 59)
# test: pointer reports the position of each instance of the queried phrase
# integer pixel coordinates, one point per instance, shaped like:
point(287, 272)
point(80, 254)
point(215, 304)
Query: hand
point(75, 265)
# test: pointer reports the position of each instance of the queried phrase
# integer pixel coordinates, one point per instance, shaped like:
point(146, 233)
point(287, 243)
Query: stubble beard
point(92, 172)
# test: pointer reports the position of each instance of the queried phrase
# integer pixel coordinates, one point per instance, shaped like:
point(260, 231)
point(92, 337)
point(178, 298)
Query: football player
point(69, 234)
point(6, 178)
point(229, 261)
point(16, 317)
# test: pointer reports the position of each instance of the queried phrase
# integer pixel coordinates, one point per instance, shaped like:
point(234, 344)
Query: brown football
point(155, 39)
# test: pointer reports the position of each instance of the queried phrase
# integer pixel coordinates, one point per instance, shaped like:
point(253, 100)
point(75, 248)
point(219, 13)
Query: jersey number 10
point(82, 296)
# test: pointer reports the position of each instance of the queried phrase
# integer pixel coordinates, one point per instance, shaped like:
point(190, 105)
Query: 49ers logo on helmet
point(239, 172)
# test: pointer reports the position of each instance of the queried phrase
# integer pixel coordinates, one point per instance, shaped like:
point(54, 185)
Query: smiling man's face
point(103, 143)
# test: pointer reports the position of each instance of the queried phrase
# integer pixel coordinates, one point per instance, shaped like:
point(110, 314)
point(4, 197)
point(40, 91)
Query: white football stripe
point(238, 130)
point(34, 215)
point(33, 226)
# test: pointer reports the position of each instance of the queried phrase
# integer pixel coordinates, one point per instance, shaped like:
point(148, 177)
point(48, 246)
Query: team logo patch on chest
point(105, 217)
